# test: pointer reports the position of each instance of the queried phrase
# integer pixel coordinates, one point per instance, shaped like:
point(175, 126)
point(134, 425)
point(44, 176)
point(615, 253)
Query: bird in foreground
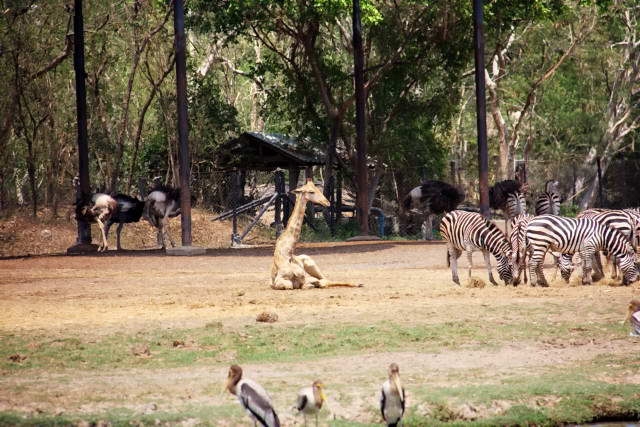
point(310, 400)
point(253, 398)
point(634, 317)
point(392, 399)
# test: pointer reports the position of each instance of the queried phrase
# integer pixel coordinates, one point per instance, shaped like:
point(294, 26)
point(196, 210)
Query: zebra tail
point(448, 258)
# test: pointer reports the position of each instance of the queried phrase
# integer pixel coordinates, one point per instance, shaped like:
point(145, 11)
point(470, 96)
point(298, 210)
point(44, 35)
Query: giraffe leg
point(317, 279)
point(487, 262)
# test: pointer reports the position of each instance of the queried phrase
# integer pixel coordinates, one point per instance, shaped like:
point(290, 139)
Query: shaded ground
point(466, 340)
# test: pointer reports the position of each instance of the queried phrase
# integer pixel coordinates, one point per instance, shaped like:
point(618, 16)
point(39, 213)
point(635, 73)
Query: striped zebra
point(625, 222)
point(516, 205)
point(520, 251)
point(466, 231)
point(571, 235)
point(548, 202)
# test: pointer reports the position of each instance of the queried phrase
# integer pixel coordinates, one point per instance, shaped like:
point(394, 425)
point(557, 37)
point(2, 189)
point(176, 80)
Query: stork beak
point(396, 382)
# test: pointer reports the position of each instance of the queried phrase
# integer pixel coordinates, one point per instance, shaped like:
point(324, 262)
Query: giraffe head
point(312, 193)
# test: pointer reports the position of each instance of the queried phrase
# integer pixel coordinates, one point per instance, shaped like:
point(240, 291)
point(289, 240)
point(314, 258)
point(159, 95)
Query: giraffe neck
point(294, 226)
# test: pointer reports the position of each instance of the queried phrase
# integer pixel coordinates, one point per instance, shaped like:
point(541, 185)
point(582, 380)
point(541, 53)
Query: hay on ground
point(475, 282)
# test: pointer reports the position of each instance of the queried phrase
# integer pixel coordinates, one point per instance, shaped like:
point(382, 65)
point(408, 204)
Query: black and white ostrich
point(129, 210)
point(508, 197)
point(433, 198)
point(99, 209)
point(162, 203)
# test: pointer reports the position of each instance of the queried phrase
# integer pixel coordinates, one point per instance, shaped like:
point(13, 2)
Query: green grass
point(257, 343)
point(575, 393)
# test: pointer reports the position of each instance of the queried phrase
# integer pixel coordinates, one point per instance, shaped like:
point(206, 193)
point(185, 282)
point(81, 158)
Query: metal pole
point(84, 229)
point(362, 195)
point(183, 124)
point(481, 107)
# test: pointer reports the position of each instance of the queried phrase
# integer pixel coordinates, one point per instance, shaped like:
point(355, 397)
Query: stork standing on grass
point(310, 400)
point(253, 398)
point(392, 399)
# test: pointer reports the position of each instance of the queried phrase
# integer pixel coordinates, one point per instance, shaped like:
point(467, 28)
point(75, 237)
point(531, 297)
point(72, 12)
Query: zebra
point(516, 205)
point(466, 231)
point(571, 235)
point(625, 222)
point(548, 202)
point(519, 252)
point(509, 198)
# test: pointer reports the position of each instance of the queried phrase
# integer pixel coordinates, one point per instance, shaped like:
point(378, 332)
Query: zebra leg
point(587, 257)
point(596, 263)
point(469, 251)
point(487, 261)
point(614, 267)
point(536, 272)
point(454, 254)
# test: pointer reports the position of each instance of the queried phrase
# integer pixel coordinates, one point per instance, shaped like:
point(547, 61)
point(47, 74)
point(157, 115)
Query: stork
point(392, 399)
point(253, 398)
point(310, 400)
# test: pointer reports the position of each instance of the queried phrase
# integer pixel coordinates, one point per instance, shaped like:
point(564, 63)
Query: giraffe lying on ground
point(290, 271)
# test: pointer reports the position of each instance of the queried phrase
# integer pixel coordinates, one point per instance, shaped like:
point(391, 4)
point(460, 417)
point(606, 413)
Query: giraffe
point(290, 271)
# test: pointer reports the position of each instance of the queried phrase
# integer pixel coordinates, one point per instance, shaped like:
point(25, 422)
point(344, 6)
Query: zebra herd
point(612, 232)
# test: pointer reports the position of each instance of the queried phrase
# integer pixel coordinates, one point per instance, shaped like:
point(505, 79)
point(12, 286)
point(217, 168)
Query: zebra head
point(628, 266)
point(505, 268)
point(565, 262)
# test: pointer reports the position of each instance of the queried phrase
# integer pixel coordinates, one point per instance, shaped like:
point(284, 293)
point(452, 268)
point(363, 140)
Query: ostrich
point(433, 198)
point(162, 203)
point(129, 210)
point(99, 209)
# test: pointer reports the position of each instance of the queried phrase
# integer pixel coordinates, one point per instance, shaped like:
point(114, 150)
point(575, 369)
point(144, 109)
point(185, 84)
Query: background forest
point(563, 91)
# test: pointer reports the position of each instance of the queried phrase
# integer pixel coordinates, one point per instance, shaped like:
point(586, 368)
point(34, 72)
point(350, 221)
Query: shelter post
point(183, 134)
point(481, 107)
point(362, 195)
point(84, 229)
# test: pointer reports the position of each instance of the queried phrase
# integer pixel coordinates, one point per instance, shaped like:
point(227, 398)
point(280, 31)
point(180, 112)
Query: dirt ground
point(404, 282)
